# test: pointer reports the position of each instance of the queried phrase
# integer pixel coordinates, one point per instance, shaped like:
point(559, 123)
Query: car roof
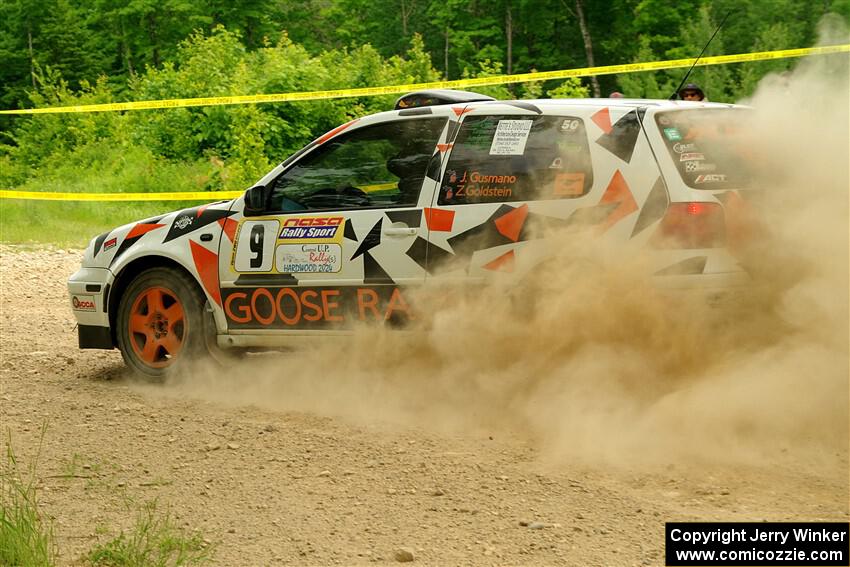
point(545, 105)
point(608, 102)
point(554, 104)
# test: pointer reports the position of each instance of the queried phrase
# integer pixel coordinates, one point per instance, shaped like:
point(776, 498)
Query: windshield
point(705, 145)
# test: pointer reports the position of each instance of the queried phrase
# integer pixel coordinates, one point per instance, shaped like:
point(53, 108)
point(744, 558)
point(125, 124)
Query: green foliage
point(570, 88)
point(26, 536)
point(489, 68)
point(769, 38)
point(646, 85)
point(122, 39)
point(155, 540)
point(230, 147)
point(59, 52)
point(72, 224)
point(715, 80)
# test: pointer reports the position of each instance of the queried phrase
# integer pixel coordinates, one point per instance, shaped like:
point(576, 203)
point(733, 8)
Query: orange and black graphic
point(621, 137)
point(505, 226)
point(411, 217)
point(335, 131)
point(139, 230)
point(454, 126)
point(439, 220)
point(98, 242)
point(206, 264)
point(435, 166)
point(228, 226)
point(616, 203)
point(190, 220)
point(618, 193)
point(653, 208)
point(372, 270)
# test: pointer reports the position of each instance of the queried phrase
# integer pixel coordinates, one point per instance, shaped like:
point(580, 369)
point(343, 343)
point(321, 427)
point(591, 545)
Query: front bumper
point(88, 290)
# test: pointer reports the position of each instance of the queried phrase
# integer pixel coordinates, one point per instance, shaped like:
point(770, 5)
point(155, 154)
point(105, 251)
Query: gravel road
point(290, 467)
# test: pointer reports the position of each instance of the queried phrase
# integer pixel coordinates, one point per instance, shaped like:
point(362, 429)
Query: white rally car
point(448, 185)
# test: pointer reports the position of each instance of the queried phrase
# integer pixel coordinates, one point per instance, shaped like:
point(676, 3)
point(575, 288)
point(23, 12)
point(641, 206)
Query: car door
point(508, 169)
point(330, 247)
point(517, 175)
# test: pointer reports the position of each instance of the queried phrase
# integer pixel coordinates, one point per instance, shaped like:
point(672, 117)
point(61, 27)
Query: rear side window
point(517, 158)
point(706, 146)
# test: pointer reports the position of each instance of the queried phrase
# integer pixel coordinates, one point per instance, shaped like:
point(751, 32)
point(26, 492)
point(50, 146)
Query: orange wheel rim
point(158, 326)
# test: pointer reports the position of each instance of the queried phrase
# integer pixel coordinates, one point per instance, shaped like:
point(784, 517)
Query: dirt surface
point(298, 483)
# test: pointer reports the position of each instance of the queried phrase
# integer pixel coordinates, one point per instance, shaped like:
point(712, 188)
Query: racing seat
point(409, 167)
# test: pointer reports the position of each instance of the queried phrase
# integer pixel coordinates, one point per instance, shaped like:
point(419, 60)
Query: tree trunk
point(588, 46)
point(446, 55)
point(152, 39)
point(126, 48)
point(32, 58)
point(509, 33)
point(406, 9)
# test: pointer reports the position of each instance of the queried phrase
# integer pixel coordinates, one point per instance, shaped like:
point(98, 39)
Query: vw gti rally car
point(446, 186)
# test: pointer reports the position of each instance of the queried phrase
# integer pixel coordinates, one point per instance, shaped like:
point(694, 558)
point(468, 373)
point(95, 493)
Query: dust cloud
point(600, 366)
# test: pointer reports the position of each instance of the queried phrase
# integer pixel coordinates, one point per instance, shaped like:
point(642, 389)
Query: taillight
point(691, 225)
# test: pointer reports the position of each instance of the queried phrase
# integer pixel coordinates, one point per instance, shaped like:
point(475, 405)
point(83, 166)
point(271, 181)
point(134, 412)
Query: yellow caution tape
point(175, 196)
point(368, 91)
point(377, 187)
point(459, 84)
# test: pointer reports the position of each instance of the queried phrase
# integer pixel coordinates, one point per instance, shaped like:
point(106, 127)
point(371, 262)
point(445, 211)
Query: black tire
point(160, 323)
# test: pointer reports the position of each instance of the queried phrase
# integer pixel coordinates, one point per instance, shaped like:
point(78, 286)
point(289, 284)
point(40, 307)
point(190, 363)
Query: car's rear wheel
point(160, 322)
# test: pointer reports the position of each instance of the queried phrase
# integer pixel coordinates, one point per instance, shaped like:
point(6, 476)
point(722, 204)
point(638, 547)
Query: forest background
point(64, 52)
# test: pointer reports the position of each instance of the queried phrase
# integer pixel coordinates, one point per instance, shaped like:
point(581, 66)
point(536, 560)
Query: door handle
point(400, 231)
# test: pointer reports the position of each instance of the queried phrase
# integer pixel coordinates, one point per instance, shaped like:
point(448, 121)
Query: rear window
point(705, 146)
point(517, 158)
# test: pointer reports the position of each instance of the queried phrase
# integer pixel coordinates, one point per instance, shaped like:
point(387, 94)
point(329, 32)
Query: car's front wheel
point(160, 322)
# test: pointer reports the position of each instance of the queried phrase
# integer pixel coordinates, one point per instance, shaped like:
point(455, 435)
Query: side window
point(382, 165)
point(517, 158)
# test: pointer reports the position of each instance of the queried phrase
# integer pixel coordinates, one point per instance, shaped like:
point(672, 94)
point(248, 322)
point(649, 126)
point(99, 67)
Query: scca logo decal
point(83, 303)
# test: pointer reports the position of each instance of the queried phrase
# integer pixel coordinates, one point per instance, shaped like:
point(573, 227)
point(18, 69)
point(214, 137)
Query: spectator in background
point(692, 92)
point(616, 94)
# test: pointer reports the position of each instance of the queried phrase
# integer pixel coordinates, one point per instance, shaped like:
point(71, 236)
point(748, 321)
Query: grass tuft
point(154, 541)
point(26, 536)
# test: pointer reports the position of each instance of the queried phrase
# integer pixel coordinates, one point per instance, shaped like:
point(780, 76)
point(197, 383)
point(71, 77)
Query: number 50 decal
point(255, 246)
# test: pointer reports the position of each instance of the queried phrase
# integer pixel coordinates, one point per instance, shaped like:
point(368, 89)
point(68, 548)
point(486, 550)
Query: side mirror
point(255, 200)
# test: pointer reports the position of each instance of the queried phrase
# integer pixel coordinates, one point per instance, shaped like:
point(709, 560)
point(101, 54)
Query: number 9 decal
point(255, 246)
point(255, 243)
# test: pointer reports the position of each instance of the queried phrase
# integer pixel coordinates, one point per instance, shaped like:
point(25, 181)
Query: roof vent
point(438, 96)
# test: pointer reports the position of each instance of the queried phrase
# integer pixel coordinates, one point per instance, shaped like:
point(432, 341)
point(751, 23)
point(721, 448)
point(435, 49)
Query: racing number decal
point(303, 245)
point(570, 125)
point(255, 246)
